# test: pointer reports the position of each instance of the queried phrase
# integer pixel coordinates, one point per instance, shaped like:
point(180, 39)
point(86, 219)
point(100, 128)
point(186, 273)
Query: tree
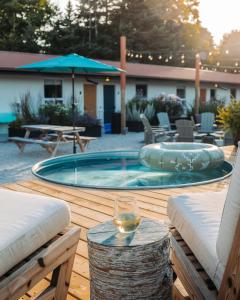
point(24, 24)
point(62, 37)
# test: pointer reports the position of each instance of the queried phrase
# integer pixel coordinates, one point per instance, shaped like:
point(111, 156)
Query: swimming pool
point(120, 170)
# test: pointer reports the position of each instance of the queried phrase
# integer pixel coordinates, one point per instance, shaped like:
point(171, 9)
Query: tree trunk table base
point(131, 266)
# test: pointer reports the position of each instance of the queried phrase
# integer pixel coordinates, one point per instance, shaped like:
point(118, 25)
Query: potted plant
point(92, 125)
point(229, 118)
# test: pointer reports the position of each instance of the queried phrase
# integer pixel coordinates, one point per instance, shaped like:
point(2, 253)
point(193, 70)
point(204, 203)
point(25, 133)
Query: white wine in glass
point(126, 216)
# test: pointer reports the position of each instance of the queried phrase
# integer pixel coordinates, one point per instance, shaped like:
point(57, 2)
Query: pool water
point(119, 170)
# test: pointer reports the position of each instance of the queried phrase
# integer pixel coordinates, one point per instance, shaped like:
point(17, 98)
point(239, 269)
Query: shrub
point(24, 110)
point(211, 106)
point(136, 106)
point(229, 117)
point(54, 114)
point(172, 107)
point(87, 120)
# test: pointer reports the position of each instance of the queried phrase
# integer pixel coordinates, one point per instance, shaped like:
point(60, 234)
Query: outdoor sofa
point(35, 240)
point(205, 240)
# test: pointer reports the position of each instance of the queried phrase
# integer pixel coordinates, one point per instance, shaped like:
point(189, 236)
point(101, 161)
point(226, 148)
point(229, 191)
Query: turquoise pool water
point(119, 170)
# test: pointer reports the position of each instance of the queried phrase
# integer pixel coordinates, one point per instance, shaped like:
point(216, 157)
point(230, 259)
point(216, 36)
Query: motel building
point(99, 94)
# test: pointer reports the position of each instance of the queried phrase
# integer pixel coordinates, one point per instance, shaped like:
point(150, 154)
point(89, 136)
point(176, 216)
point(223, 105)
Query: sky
point(219, 16)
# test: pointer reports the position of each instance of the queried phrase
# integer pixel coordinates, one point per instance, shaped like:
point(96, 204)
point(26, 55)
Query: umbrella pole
point(73, 111)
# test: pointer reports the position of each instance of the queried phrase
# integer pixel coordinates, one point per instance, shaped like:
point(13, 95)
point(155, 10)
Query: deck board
point(90, 207)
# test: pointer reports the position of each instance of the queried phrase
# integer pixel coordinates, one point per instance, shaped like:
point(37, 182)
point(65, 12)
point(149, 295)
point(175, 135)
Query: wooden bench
point(50, 146)
point(83, 141)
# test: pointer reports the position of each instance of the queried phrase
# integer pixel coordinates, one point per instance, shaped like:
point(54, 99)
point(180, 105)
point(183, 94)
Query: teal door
point(109, 102)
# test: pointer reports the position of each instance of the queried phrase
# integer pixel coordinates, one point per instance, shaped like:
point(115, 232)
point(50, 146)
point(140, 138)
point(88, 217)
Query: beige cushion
point(27, 222)
point(230, 215)
point(197, 217)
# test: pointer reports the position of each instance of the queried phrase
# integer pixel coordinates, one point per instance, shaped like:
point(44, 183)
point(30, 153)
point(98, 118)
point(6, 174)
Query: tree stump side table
point(129, 267)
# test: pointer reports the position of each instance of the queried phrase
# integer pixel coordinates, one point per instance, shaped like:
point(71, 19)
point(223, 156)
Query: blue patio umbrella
point(71, 63)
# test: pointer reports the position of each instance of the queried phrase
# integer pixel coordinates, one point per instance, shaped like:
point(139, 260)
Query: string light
point(160, 57)
point(227, 51)
point(236, 64)
point(166, 60)
point(170, 57)
point(182, 61)
point(218, 63)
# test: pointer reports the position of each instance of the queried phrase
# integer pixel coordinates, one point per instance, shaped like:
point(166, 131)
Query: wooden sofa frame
point(193, 277)
point(55, 257)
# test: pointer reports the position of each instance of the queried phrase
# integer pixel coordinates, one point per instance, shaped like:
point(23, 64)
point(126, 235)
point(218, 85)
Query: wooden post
point(197, 83)
point(123, 83)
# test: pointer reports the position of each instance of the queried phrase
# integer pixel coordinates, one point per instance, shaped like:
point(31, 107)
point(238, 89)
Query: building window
point(141, 90)
point(212, 94)
point(52, 89)
point(181, 93)
point(233, 93)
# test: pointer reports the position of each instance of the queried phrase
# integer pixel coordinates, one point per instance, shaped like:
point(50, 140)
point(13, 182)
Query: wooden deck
point(91, 206)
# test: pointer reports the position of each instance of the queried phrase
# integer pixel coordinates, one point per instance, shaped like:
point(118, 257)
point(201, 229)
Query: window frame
point(235, 93)
point(181, 88)
point(53, 99)
point(141, 85)
point(215, 94)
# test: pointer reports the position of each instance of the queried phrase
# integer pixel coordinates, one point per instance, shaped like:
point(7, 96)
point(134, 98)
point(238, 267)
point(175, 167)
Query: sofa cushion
point(27, 222)
point(197, 218)
point(231, 213)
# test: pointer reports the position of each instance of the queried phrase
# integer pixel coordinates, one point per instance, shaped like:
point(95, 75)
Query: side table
point(130, 266)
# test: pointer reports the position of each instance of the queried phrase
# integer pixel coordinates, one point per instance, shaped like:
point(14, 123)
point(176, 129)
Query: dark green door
point(109, 102)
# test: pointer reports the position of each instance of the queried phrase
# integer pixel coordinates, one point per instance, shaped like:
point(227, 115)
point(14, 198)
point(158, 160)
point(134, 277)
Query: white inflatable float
point(188, 157)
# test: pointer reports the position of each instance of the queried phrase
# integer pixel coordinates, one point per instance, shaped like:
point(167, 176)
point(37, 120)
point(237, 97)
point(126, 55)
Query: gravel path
point(15, 166)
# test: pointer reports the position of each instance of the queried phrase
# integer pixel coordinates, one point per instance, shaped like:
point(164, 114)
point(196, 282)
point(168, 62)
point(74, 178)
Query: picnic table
point(52, 136)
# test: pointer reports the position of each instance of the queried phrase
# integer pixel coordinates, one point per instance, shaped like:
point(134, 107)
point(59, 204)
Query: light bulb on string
point(150, 57)
point(218, 63)
point(170, 57)
point(235, 71)
point(227, 51)
point(132, 55)
point(136, 55)
point(140, 56)
point(183, 56)
point(225, 70)
point(210, 53)
point(166, 60)
point(160, 57)
point(182, 61)
point(236, 64)
point(129, 54)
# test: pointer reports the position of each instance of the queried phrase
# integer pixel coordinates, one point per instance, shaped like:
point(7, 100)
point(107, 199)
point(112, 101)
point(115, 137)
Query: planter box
point(135, 126)
point(93, 131)
point(21, 132)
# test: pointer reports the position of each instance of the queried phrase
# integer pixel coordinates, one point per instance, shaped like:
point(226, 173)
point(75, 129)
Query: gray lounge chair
point(153, 134)
point(163, 120)
point(184, 131)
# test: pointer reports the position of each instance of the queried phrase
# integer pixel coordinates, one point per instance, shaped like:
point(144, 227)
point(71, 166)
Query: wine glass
point(126, 214)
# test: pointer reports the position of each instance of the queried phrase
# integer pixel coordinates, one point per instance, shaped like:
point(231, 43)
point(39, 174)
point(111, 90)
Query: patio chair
point(205, 241)
point(164, 121)
point(207, 123)
point(184, 131)
point(36, 240)
point(153, 134)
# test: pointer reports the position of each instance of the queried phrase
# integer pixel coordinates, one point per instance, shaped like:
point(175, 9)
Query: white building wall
point(13, 87)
